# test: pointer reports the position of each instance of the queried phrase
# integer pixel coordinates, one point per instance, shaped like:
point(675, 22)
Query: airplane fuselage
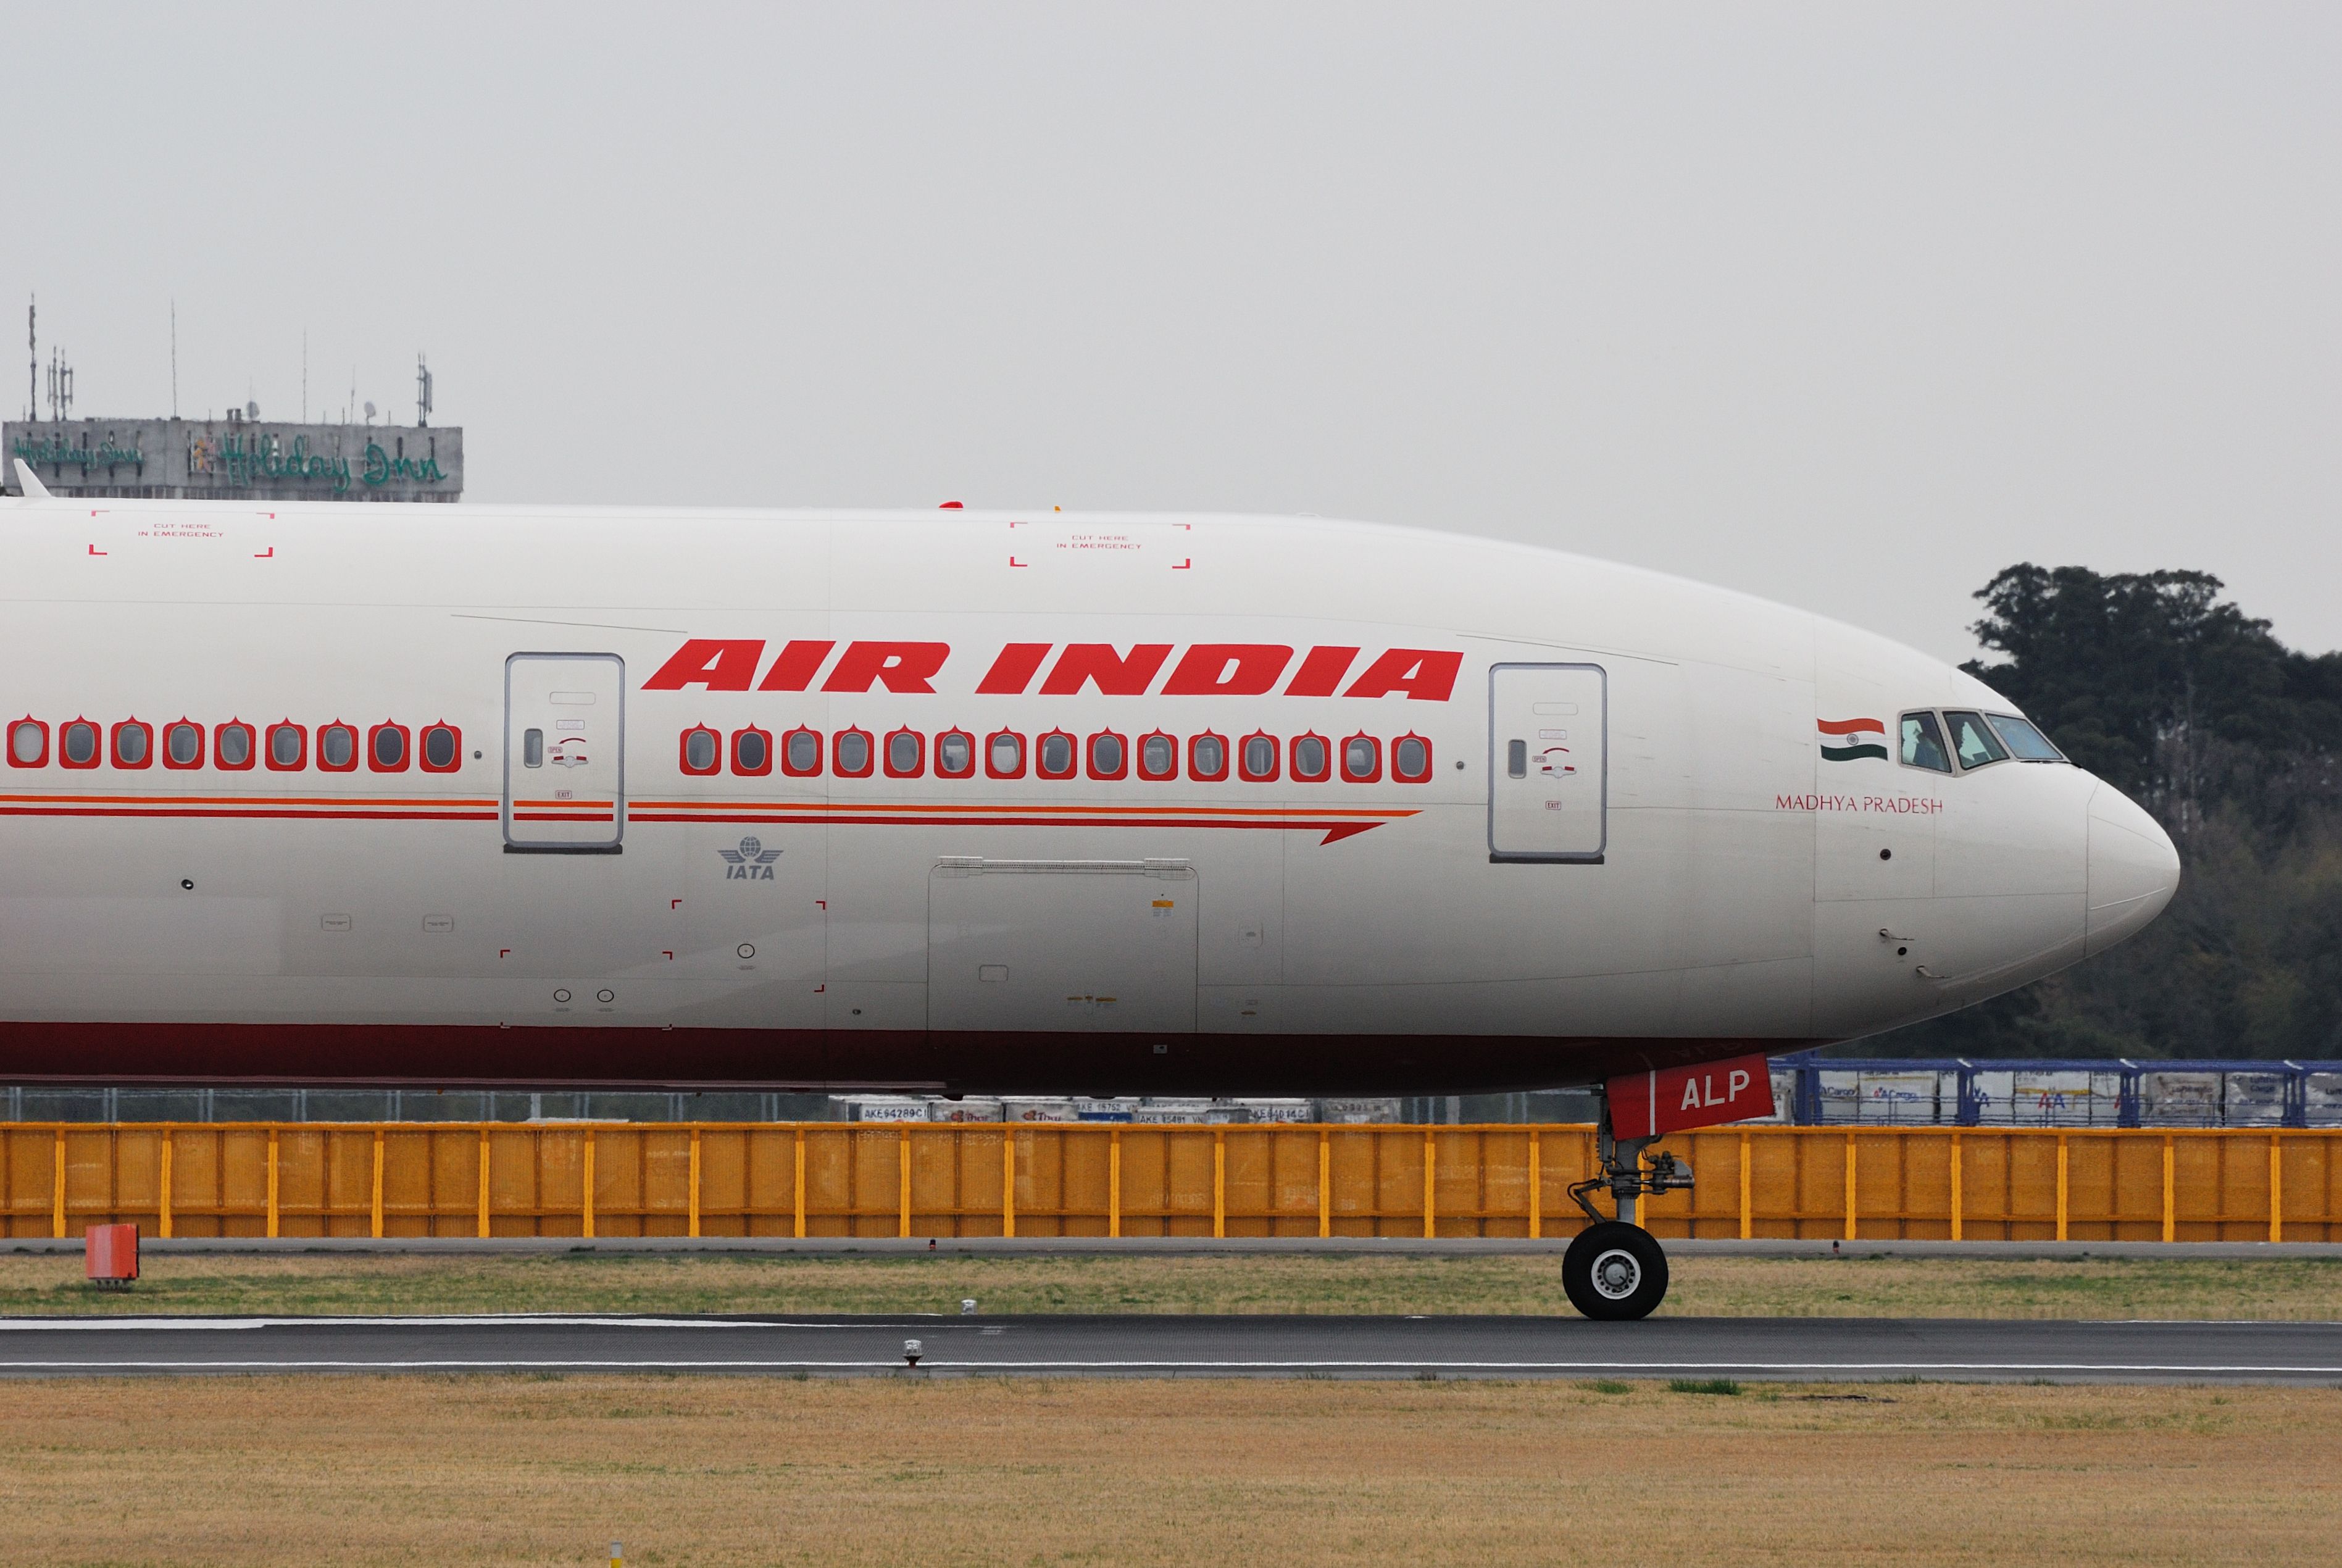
point(978, 801)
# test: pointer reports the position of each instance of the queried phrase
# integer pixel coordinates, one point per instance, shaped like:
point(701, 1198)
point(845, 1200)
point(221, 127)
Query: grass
point(1706, 1286)
point(723, 1472)
point(1723, 1385)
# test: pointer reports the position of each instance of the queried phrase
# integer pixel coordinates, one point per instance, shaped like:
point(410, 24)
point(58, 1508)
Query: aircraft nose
point(2134, 869)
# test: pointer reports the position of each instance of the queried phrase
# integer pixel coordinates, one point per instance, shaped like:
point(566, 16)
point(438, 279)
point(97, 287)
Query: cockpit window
point(1972, 742)
point(2028, 744)
point(1923, 743)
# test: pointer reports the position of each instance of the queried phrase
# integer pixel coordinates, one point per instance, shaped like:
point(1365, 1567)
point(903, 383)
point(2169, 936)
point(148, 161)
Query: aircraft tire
point(1615, 1272)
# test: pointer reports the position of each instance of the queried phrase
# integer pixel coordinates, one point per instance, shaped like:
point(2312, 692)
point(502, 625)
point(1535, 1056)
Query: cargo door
point(1072, 947)
point(564, 753)
point(1548, 765)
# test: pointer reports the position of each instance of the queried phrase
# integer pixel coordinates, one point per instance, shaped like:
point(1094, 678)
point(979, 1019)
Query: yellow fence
point(829, 1179)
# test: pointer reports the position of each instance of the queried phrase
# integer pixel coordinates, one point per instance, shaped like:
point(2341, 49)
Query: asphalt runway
point(1792, 1349)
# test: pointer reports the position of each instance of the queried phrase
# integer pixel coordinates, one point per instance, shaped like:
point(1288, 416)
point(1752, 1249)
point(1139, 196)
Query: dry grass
point(746, 1471)
point(1851, 1287)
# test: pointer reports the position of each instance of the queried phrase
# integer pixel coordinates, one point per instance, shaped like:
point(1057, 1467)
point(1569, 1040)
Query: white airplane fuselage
point(975, 801)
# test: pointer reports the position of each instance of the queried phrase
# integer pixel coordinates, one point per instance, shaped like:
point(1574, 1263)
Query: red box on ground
point(111, 1252)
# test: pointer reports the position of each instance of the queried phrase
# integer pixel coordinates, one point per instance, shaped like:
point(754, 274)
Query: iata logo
point(752, 862)
point(1850, 740)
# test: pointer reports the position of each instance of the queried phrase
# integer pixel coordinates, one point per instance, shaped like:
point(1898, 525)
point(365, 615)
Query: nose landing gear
point(1616, 1270)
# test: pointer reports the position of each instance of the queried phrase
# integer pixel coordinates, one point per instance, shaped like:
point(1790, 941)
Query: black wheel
point(1615, 1272)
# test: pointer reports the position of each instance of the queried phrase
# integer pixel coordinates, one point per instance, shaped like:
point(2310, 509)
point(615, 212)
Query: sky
point(1847, 306)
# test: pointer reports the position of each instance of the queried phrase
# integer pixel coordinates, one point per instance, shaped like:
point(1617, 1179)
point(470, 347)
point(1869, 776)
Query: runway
point(1789, 1349)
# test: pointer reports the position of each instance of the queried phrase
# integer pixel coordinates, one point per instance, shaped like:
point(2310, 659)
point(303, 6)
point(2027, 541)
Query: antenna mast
point(33, 347)
point(422, 392)
point(175, 359)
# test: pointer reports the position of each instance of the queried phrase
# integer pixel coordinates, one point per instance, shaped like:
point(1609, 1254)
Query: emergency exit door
point(564, 753)
point(1548, 743)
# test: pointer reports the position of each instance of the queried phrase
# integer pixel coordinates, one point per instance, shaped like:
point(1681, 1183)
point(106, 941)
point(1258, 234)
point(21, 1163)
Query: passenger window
point(1256, 760)
point(1207, 758)
point(1109, 758)
point(699, 751)
point(1158, 756)
point(1923, 743)
point(337, 747)
point(955, 753)
point(288, 746)
point(1411, 758)
point(752, 752)
point(28, 743)
point(1004, 755)
point(2028, 744)
point(1974, 744)
point(183, 745)
point(441, 743)
point(1311, 760)
point(853, 753)
point(532, 748)
point(906, 753)
point(232, 744)
point(1517, 759)
point(387, 749)
point(132, 743)
point(81, 744)
point(1055, 755)
point(1362, 759)
point(801, 753)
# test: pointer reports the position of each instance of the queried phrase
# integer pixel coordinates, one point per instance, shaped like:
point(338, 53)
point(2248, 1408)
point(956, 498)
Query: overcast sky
point(1847, 305)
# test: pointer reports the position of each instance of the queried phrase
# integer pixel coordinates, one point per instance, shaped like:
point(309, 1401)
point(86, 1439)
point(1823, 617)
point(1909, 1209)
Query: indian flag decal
point(1847, 740)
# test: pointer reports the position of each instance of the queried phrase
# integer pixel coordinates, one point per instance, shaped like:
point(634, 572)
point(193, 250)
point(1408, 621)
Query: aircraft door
point(564, 753)
point(1548, 762)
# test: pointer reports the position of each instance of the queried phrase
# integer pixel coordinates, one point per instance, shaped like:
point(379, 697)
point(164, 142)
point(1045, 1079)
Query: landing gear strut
point(1615, 1271)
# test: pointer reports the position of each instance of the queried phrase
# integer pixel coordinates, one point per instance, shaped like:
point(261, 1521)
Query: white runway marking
point(501, 1364)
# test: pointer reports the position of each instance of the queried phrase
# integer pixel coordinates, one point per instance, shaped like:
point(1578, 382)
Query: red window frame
point(820, 749)
point(1139, 756)
point(41, 762)
point(350, 766)
point(1342, 760)
point(887, 753)
point(1423, 777)
point(1276, 754)
point(201, 751)
point(1199, 738)
point(683, 751)
point(1024, 754)
point(251, 747)
point(870, 754)
point(269, 748)
point(1292, 758)
point(422, 747)
point(944, 773)
point(114, 744)
point(1073, 754)
point(406, 748)
point(1089, 755)
point(96, 742)
point(742, 734)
